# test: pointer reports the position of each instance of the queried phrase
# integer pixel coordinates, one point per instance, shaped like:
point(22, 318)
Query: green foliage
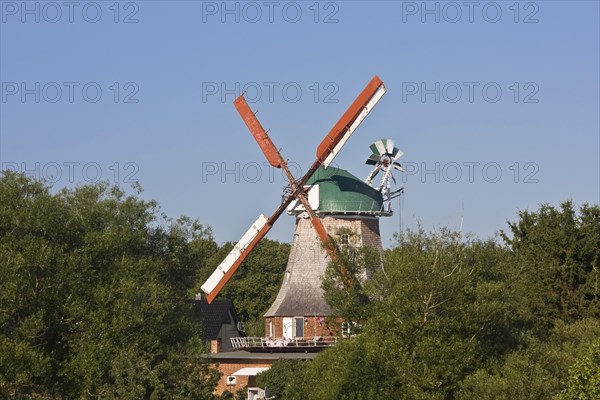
point(345, 282)
point(557, 263)
point(279, 375)
point(536, 369)
point(94, 296)
point(96, 286)
point(448, 317)
point(583, 382)
point(435, 309)
point(354, 369)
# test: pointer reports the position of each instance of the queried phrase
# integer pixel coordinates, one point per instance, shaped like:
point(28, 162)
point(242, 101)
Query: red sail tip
point(258, 132)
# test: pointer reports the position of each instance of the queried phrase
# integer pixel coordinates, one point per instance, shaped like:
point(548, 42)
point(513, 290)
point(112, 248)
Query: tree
point(345, 282)
point(94, 295)
point(583, 382)
point(557, 260)
point(434, 313)
point(451, 317)
point(281, 373)
point(535, 369)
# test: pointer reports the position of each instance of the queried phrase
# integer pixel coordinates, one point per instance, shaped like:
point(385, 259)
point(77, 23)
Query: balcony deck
point(281, 345)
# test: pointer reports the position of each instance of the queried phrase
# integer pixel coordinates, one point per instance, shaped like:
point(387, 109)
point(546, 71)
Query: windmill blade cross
point(384, 157)
point(326, 152)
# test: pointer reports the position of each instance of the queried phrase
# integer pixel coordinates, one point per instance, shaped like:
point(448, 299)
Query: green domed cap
point(340, 192)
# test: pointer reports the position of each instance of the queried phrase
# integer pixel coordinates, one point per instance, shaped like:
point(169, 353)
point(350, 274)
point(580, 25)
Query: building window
point(299, 326)
point(345, 239)
point(271, 329)
point(344, 236)
point(347, 329)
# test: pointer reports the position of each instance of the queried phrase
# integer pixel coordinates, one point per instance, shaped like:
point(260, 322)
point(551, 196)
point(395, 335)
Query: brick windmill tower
point(329, 203)
point(349, 210)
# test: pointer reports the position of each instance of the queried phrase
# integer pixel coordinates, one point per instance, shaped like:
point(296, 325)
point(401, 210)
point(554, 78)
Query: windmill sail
point(345, 127)
point(259, 133)
point(236, 256)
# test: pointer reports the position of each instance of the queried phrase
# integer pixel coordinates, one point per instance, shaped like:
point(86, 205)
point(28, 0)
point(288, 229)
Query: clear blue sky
point(168, 73)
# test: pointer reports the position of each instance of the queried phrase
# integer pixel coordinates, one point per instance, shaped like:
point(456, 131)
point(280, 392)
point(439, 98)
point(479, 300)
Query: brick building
point(239, 368)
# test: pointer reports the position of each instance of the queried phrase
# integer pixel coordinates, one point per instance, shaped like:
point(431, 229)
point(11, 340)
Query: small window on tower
point(345, 238)
point(348, 329)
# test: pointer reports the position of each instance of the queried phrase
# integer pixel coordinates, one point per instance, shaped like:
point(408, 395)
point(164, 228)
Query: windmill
point(384, 159)
point(326, 152)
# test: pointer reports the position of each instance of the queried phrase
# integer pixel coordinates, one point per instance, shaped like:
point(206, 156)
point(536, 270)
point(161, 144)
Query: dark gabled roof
point(214, 315)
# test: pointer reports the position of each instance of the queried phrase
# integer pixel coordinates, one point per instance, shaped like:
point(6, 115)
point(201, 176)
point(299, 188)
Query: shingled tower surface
point(350, 211)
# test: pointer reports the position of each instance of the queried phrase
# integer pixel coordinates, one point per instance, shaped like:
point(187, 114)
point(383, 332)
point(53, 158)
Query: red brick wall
point(313, 326)
point(229, 367)
point(366, 230)
point(370, 233)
